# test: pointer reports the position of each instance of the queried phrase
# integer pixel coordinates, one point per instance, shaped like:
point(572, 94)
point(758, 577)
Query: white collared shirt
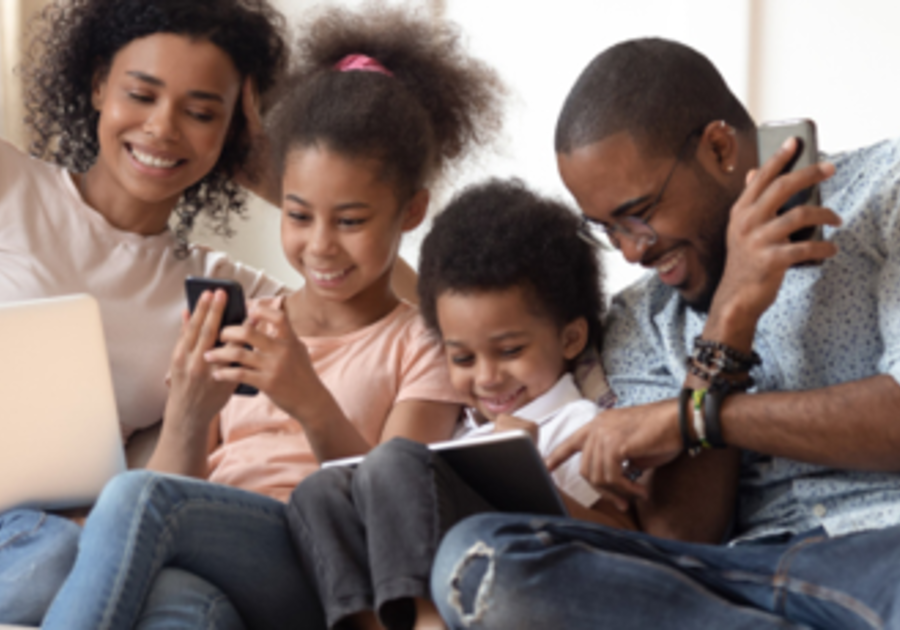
point(559, 412)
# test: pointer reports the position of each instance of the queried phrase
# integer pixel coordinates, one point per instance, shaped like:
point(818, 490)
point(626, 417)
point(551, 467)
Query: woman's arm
point(190, 428)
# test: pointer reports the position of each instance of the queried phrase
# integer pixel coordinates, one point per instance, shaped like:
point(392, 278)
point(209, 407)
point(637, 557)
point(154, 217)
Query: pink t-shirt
point(367, 371)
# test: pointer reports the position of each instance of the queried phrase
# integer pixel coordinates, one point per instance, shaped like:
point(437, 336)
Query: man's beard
point(713, 238)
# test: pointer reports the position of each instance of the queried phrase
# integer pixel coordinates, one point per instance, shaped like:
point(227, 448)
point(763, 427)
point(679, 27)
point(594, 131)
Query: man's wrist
point(731, 325)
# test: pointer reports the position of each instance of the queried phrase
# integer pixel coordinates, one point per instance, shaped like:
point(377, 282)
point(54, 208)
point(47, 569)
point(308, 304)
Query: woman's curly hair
point(436, 105)
point(498, 235)
point(74, 40)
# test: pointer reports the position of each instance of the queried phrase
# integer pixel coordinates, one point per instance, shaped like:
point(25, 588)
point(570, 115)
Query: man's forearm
point(853, 425)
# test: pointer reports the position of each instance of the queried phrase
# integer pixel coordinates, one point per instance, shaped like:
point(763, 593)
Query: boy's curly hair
point(74, 40)
point(497, 235)
point(438, 103)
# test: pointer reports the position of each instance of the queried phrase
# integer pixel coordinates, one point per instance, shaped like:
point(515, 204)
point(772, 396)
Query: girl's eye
point(299, 217)
point(201, 116)
point(512, 352)
point(350, 222)
point(462, 359)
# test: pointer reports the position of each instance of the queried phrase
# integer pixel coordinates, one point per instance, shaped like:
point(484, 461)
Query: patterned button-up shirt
point(830, 324)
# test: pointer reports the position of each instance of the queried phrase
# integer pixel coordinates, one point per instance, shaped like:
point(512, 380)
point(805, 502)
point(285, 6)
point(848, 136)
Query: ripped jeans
point(514, 571)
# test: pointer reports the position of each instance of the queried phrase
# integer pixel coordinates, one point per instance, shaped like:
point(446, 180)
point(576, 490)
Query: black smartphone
point(770, 137)
point(235, 309)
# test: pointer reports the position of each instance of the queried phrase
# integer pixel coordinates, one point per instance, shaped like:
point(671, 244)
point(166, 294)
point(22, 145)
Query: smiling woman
point(141, 110)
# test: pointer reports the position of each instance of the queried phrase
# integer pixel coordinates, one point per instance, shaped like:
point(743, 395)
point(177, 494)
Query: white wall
point(833, 61)
point(830, 60)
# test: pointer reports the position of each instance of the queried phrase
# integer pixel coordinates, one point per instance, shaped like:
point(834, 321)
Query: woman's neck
point(312, 315)
point(120, 209)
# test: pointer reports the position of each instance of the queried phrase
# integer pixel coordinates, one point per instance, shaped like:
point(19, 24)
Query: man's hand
point(506, 422)
point(647, 437)
point(759, 247)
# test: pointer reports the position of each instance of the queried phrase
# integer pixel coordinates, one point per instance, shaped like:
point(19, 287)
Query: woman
point(141, 109)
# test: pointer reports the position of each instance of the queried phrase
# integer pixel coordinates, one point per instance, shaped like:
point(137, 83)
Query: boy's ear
point(574, 338)
point(416, 209)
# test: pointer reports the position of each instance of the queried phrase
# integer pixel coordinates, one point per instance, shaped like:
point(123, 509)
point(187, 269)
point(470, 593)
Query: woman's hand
point(194, 396)
point(277, 362)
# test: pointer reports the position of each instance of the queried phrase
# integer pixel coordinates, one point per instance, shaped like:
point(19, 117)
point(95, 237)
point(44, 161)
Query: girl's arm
point(279, 361)
point(190, 427)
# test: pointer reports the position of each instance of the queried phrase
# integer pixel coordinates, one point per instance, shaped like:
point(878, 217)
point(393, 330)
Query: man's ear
point(574, 338)
point(416, 209)
point(719, 150)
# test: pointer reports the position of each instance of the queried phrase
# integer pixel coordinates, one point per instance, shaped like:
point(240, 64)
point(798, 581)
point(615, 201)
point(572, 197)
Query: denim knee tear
point(470, 583)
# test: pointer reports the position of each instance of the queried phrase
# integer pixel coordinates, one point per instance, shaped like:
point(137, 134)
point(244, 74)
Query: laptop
point(60, 440)
point(505, 468)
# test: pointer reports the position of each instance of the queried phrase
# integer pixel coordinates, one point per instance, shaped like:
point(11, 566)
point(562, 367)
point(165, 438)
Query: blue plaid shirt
point(830, 324)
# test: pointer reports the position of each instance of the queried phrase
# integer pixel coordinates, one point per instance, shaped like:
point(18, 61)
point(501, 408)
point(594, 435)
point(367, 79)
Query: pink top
point(368, 371)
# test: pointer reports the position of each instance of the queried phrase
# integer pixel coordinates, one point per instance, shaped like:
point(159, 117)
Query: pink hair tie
point(361, 63)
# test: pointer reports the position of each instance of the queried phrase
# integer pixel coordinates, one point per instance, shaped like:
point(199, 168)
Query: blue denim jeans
point(37, 551)
point(524, 572)
point(235, 540)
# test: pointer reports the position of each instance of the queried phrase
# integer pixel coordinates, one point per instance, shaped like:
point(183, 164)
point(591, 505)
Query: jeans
point(368, 534)
point(516, 571)
point(37, 551)
point(143, 521)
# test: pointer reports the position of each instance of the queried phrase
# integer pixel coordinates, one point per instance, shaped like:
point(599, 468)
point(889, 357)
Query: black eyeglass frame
point(618, 229)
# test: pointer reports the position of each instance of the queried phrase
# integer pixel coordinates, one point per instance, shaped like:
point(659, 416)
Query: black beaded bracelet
point(716, 381)
point(716, 354)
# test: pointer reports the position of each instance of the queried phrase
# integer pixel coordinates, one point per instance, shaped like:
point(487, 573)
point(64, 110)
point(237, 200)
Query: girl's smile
point(341, 228)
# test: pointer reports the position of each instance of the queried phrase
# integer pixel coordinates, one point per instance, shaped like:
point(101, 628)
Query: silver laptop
point(60, 440)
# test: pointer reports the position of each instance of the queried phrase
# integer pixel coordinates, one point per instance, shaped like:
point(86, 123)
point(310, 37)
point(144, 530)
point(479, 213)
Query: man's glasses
point(637, 227)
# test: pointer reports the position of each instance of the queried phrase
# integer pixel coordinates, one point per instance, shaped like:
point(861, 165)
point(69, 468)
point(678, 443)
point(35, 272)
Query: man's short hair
point(657, 90)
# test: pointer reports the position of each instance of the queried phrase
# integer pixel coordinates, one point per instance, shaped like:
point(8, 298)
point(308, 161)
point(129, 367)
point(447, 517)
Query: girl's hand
point(194, 396)
point(506, 422)
point(277, 363)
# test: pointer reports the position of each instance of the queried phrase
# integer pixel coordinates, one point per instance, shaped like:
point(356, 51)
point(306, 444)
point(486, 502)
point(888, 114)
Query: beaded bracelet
point(716, 381)
point(720, 357)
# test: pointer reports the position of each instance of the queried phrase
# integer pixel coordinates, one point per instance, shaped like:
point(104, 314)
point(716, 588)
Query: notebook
point(60, 440)
point(505, 468)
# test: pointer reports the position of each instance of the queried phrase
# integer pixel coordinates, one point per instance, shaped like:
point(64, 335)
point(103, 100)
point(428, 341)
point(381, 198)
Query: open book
point(505, 468)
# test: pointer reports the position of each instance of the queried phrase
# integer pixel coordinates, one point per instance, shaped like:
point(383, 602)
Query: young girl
point(380, 105)
point(512, 287)
point(140, 109)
